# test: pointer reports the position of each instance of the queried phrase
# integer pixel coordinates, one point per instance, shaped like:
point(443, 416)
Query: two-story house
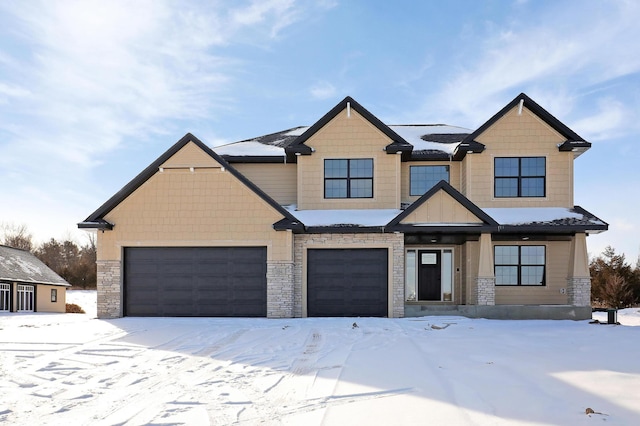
point(353, 217)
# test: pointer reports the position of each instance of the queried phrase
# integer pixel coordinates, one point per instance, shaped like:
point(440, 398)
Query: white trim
point(26, 298)
point(5, 297)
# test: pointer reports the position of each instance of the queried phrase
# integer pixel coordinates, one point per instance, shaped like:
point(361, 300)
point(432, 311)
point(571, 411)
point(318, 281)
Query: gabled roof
point(397, 144)
point(446, 187)
point(96, 219)
point(573, 140)
point(23, 267)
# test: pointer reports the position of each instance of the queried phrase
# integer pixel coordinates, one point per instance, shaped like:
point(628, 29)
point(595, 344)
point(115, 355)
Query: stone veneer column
point(486, 280)
point(329, 241)
point(486, 291)
point(279, 289)
point(579, 281)
point(109, 289)
point(579, 291)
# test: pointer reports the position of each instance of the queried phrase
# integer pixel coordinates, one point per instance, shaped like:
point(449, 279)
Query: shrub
point(72, 308)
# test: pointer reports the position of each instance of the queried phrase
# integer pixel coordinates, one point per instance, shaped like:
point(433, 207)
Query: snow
point(520, 215)
point(413, 135)
point(249, 148)
point(297, 131)
point(75, 369)
point(364, 217)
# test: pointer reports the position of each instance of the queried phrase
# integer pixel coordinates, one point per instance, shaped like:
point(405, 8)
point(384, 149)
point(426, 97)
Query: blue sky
point(92, 92)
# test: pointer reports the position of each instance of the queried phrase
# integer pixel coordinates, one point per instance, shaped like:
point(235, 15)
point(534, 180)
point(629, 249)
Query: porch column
point(486, 279)
point(579, 280)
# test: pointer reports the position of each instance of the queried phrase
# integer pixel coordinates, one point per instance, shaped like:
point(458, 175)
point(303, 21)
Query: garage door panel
point(347, 282)
point(195, 281)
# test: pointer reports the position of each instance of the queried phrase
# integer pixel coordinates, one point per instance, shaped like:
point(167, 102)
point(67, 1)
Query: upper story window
point(349, 178)
point(423, 178)
point(520, 177)
point(519, 265)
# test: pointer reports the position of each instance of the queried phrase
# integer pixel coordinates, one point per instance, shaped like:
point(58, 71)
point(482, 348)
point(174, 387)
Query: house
point(354, 217)
point(28, 285)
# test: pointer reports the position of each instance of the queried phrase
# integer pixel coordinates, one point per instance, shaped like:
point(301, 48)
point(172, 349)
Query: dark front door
point(429, 275)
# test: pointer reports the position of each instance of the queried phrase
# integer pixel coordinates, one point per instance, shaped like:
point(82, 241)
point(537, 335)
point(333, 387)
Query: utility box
point(612, 316)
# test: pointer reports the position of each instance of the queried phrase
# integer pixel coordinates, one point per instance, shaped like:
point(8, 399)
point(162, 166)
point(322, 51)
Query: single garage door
point(347, 282)
point(195, 281)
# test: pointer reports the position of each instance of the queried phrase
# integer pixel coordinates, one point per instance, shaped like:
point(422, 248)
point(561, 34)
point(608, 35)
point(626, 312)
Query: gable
point(97, 219)
point(521, 126)
point(348, 131)
point(190, 155)
point(441, 208)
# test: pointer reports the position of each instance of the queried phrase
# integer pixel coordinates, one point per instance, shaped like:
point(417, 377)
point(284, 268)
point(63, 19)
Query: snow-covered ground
point(75, 369)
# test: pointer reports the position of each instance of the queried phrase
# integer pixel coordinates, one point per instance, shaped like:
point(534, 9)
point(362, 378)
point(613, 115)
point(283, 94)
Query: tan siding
point(454, 176)
point(349, 137)
point(441, 208)
point(523, 135)
point(207, 207)
point(277, 180)
point(43, 299)
point(190, 156)
point(558, 254)
point(471, 265)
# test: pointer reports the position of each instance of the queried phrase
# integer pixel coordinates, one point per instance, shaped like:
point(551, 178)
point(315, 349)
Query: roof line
point(552, 121)
point(298, 144)
point(446, 187)
point(98, 215)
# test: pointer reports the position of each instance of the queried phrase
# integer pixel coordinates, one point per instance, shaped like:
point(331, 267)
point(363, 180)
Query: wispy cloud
point(323, 90)
point(543, 55)
point(80, 79)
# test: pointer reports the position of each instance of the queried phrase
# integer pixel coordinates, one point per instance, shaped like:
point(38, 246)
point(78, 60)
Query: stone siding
point(486, 291)
point(280, 290)
point(579, 291)
point(109, 289)
point(394, 241)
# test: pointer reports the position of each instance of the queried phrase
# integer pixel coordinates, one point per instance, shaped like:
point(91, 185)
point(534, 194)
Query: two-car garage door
point(195, 281)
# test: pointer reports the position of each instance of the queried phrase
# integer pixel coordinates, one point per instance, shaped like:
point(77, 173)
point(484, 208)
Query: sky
point(91, 92)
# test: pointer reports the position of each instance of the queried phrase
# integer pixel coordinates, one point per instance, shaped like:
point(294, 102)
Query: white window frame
point(408, 290)
point(5, 297)
point(26, 298)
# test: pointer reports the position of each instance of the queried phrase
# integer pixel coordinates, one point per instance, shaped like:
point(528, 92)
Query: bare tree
point(17, 236)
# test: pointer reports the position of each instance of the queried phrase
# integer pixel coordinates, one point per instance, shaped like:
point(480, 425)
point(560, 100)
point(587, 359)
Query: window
point(54, 295)
point(348, 178)
point(520, 177)
point(520, 265)
point(423, 178)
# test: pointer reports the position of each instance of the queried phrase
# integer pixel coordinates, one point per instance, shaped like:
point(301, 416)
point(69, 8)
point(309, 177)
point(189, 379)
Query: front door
point(429, 275)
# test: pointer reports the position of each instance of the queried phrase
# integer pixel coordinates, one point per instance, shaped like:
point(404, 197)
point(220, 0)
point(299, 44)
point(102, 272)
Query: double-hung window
point(520, 177)
point(423, 178)
point(348, 178)
point(519, 265)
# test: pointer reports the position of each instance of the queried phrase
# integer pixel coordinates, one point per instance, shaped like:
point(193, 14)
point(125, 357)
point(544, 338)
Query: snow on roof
point(249, 148)
point(416, 135)
point(22, 266)
point(365, 217)
point(523, 215)
point(298, 131)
